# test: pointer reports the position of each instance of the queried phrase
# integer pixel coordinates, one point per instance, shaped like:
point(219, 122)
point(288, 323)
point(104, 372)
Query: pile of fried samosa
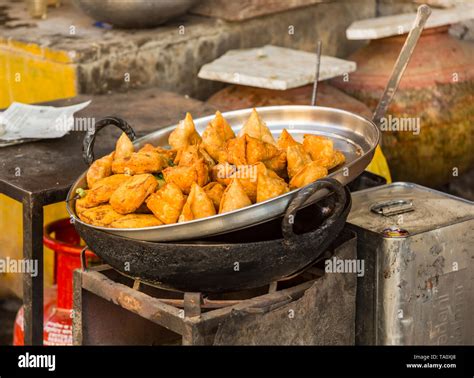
point(200, 176)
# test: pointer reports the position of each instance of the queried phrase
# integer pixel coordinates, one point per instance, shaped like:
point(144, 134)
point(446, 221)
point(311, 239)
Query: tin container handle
point(89, 139)
point(303, 195)
point(392, 207)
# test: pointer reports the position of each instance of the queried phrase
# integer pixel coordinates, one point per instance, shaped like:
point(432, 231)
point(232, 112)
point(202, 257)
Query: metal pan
point(355, 136)
point(276, 250)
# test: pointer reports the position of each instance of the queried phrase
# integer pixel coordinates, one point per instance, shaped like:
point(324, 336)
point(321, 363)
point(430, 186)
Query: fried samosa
point(297, 158)
point(214, 191)
point(136, 221)
point(246, 150)
point(269, 185)
point(257, 128)
point(102, 215)
point(339, 159)
point(124, 147)
point(167, 203)
point(234, 198)
point(184, 176)
point(247, 176)
point(141, 162)
point(99, 169)
point(131, 194)
point(215, 136)
point(185, 134)
point(278, 163)
point(188, 155)
point(321, 150)
point(169, 154)
point(103, 189)
point(309, 173)
point(81, 204)
point(198, 205)
point(286, 140)
point(221, 173)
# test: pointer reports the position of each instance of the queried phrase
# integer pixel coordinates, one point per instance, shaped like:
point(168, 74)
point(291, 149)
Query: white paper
point(22, 121)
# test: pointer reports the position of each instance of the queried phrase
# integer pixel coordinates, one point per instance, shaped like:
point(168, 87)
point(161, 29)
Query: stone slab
point(273, 67)
point(388, 26)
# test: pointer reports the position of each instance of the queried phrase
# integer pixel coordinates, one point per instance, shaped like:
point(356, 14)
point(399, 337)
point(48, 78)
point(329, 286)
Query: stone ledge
point(170, 56)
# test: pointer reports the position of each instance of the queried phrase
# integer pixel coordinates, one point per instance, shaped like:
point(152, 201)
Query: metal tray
point(355, 136)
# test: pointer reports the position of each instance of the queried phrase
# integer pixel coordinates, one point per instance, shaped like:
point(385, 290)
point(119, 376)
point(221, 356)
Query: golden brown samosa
point(321, 150)
point(184, 176)
point(269, 185)
point(198, 205)
point(247, 176)
point(246, 150)
point(124, 147)
point(258, 150)
point(81, 204)
point(167, 203)
point(277, 163)
point(103, 189)
point(99, 169)
point(136, 221)
point(339, 159)
point(234, 198)
point(215, 136)
point(297, 158)
point(188, 155)
point(285, 140)
point(101, 215)
point(257, 128)
point(132, 193)
point(146, 161)
point(214, 191)
point(221, 173)
point(184, 134)
point(169, 154)
point(309, 173)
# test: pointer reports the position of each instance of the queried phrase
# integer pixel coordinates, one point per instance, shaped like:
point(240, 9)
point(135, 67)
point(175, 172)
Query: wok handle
point(303, 195)
point(89, 139)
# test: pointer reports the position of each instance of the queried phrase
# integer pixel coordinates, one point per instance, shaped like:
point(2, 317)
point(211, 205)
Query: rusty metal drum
point(434, 104)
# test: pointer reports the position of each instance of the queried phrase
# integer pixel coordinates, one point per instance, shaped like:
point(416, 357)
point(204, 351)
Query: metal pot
point(355, 136)
point(247, 259)
point(134, 14)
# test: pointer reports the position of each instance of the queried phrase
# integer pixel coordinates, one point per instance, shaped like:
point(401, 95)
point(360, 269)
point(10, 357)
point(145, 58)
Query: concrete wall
point(172, 62)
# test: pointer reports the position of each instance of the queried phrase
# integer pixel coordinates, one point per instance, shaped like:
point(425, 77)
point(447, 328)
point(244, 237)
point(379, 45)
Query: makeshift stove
point(310, 308)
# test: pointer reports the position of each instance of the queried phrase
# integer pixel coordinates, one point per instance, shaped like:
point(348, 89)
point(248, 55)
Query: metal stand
point(112, 309)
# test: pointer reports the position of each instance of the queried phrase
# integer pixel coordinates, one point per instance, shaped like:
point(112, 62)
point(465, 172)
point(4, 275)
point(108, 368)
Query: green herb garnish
point(81, 192)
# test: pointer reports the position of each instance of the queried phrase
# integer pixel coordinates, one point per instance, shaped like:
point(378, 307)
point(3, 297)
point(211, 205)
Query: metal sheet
point(355, 136)
point(431, 209)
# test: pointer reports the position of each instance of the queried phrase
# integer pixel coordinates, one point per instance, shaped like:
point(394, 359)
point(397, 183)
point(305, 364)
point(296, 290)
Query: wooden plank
point(246, 9)
point(382, 27)
point(273, 67)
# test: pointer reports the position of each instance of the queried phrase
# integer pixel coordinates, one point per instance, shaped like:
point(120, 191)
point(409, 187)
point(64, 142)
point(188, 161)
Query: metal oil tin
point(418, 250)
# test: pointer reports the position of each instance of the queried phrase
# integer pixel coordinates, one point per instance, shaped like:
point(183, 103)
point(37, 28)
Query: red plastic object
point(58, 299)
